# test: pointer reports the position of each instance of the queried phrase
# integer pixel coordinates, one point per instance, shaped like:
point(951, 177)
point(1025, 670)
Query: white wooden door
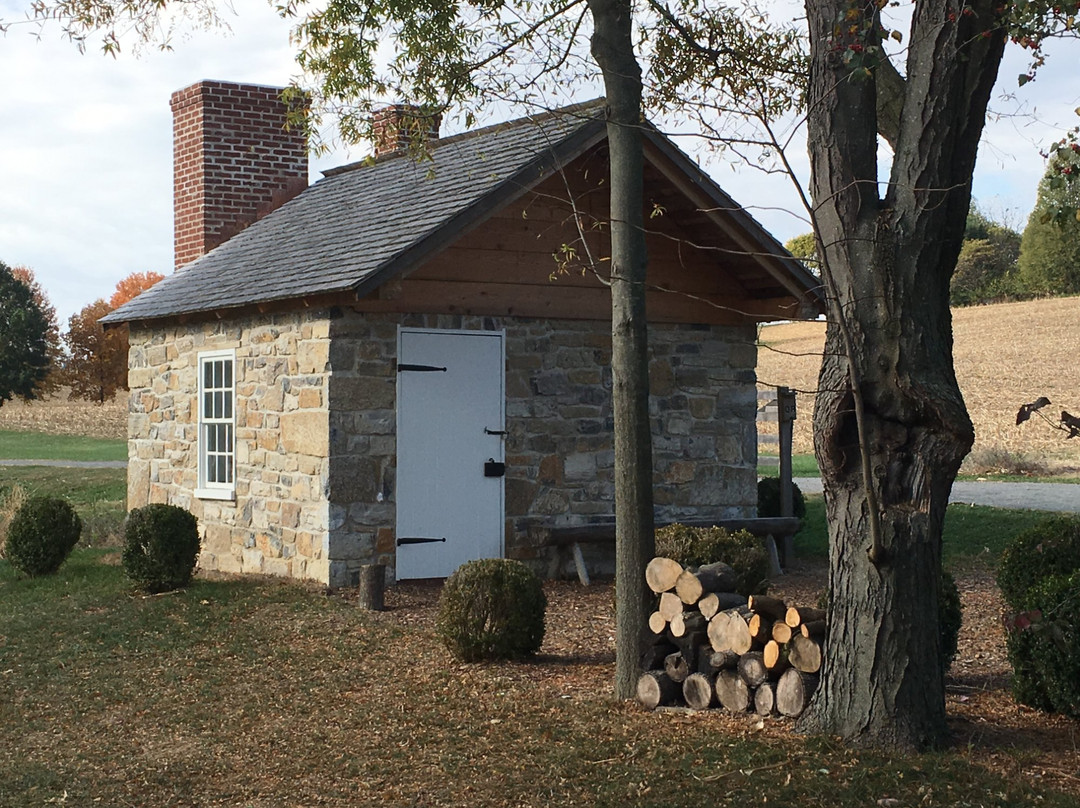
point(450, 414)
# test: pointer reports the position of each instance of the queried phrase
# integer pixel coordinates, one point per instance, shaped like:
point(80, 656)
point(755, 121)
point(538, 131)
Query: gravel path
point(1020, 496)
point(1063, 497)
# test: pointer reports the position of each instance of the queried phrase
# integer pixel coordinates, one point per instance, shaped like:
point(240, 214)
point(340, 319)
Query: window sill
point(216, 493)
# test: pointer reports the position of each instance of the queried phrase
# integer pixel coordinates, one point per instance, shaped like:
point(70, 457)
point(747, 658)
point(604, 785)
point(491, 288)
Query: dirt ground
point(986, 722)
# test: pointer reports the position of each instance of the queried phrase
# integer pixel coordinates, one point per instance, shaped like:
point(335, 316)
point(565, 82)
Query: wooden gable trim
point(514, 187)
point(680, 172)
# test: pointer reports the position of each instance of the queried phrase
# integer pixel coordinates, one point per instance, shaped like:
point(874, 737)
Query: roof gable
point(362, 224)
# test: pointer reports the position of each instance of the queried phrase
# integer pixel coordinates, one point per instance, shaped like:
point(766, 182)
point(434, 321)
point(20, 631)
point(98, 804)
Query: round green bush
point(742, 551)
point(161, 546)
point(768, 498)
point(42, 534)
point(1052, 547)
point(492, 609)
point(1043, 643)
point(950, 617)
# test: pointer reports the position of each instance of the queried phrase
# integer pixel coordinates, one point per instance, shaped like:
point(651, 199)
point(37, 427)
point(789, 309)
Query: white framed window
point(217, 425)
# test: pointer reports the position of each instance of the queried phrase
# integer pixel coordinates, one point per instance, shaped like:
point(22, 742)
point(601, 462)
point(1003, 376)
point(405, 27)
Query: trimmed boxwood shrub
point(1052, 547)
point(1044, 646)
point(950, 618)
point(161, 546)
point(491, 609)
point(42, 535)
point(1039, 577)
point(742, 551)
point(768, 498)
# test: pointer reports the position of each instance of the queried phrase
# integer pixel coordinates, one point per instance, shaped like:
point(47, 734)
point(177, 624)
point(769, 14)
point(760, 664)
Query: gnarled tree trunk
point(890, 427)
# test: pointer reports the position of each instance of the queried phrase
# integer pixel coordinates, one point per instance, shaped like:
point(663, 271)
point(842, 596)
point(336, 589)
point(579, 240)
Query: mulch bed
point(995, 731)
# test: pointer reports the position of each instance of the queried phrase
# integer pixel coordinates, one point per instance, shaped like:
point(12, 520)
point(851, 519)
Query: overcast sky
point(86, 151)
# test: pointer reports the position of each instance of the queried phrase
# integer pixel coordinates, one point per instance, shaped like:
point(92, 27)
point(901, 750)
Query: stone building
point(408, 362)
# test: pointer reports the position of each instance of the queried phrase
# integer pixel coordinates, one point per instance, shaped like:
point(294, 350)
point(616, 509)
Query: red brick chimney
point(398, 125)
point(233, 162)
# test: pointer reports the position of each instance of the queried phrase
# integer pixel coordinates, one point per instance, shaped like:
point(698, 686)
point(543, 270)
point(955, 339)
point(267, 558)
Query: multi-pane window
point(216, 425)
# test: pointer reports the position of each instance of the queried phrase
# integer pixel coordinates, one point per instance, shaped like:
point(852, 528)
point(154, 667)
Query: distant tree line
point(997, 263)
point(37, 360)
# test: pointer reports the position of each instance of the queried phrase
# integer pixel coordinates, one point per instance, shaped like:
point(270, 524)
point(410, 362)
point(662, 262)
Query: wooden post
point(785, 407)
point(371, 586)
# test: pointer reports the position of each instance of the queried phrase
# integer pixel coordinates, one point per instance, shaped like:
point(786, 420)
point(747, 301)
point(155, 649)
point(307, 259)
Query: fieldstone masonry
point(279, 519)
point(315, 439)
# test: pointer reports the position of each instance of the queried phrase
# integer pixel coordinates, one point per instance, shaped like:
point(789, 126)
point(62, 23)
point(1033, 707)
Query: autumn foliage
point(132, 286)
point(96, 367)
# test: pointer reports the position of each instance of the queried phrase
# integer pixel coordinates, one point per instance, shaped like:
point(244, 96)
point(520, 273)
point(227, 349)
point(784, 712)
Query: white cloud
point(85, 147)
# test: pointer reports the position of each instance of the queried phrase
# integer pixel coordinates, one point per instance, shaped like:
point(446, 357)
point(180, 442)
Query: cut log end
point(732, 692)
point(662, 573)
point(793, 692)
point(698, 691)
point(804, 654)
point(655, 688)
point(765, 699)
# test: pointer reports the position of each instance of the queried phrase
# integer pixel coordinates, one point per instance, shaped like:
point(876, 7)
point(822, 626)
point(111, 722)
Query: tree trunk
point(890, 424)
point(613, 48)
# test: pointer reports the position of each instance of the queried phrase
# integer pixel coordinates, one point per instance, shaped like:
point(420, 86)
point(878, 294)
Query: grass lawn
point(973, 534)
point(43, 446)
point(98, 495)
point(259, 692)
point(804, 465)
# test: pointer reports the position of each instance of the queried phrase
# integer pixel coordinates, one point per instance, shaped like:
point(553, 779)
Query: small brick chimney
point(233, 162)
point(397, 125)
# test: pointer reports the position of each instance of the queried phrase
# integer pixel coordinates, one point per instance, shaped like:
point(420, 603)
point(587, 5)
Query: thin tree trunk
point(890, 424)
point(613, 49)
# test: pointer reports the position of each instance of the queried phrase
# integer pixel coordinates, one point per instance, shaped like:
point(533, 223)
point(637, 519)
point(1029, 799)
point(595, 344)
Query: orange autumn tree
point(96, 367)
point(132, 286)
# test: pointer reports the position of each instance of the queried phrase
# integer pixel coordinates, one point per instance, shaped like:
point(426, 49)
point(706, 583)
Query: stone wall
point(559, 455)
point(278, 521)
point(316, 420)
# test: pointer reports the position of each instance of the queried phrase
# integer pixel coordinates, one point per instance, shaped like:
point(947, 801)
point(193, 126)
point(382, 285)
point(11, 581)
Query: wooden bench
point(776, 531)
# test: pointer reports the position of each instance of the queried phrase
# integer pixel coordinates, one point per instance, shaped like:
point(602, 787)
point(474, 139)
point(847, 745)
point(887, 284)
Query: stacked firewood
point(708, 646)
